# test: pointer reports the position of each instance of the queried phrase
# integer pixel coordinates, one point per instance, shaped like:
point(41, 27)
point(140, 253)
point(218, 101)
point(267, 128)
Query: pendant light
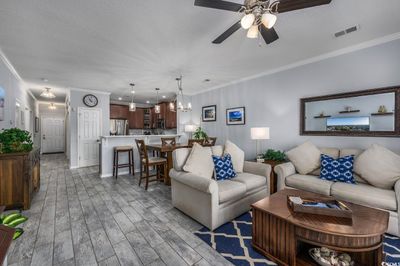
point(132, 105)
point(157, 107)
point(47, 94)
point(181, 103)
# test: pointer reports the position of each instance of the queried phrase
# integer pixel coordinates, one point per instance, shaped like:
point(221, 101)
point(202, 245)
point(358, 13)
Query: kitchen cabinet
point(136, 119)
point(119, 111)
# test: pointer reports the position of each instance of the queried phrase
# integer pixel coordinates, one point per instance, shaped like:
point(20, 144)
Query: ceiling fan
point(259, 15)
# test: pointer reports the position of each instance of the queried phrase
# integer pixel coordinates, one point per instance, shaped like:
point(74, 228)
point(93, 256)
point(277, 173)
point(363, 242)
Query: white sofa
point(361, 193)
point(213, 203)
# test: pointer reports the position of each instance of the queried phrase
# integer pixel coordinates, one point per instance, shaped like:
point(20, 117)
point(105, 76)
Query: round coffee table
point(285, 237)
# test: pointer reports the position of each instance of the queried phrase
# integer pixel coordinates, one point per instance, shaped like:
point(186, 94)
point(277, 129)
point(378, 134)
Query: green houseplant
point(275, 155)
point(15, 140)
point(13, 220)
point(200, 134)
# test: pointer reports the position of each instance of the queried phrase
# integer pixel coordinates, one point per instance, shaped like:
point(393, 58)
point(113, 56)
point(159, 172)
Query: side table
point(274, 177)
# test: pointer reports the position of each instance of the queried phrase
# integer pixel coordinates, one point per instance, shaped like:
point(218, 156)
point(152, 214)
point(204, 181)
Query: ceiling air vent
point(347, 31)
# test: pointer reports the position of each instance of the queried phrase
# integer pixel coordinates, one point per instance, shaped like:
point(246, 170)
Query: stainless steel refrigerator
point(118, 127)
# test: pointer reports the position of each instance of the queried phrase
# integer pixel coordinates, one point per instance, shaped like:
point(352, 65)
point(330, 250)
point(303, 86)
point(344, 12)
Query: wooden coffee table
point(285, 237)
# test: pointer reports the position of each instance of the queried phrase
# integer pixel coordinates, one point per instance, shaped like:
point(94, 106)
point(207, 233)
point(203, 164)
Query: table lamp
point(190, 128)
point(259, 133)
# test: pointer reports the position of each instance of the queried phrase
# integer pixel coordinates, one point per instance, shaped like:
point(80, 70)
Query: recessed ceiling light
point(120, 98)
point(164, 96)
point(147, 101)
point(207, 80)
point(44, 80)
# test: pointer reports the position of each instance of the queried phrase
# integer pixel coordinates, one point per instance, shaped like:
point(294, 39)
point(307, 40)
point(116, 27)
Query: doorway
point(89, 133)
point(53, 134)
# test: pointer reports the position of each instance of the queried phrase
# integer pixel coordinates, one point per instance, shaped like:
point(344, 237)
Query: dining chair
point(168, 141)
point(192, 141)
point(210, 141)
point(146, 162)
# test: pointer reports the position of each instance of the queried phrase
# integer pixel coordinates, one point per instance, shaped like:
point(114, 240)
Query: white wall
point(273, 100)
point(16, 91)
point(75, 98)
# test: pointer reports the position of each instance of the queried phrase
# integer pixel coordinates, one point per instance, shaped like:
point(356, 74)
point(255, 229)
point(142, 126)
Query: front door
point(53, 134)
point(89, 130)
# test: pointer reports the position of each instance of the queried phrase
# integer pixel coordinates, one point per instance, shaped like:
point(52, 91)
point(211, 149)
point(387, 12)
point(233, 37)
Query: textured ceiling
point(105, 45)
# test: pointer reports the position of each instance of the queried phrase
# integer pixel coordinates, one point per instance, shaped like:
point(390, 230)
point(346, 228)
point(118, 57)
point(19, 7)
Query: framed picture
point(36, 124)
point(235, 116)
point(209, 113)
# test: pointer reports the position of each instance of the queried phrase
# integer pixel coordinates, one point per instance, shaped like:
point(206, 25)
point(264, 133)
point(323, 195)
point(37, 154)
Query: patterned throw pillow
point(340, 169)
point(223, 167)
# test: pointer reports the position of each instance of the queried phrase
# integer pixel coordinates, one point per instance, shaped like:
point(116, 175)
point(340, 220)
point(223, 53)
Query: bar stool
point(146, 163)
point(117, 165)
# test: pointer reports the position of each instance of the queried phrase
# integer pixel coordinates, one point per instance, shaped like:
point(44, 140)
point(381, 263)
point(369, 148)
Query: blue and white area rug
point(233, 241)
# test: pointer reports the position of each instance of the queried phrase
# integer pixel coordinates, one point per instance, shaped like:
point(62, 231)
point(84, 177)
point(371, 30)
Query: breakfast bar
point(107, 144)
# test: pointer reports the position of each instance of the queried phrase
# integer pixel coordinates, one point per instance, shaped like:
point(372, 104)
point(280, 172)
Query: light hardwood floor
point(79, 219)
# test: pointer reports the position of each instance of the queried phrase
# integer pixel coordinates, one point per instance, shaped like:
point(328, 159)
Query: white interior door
point(53, 131)
point(89, 132)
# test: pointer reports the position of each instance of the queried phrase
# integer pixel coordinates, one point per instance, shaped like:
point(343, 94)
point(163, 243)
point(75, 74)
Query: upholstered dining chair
point(210, 141)
point(192, 141)
point(146, 162)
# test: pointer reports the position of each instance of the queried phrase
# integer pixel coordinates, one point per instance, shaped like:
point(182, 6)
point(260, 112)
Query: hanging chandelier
point(132, 105)
point(47, 94)
point(157, 107)
point(181, 104)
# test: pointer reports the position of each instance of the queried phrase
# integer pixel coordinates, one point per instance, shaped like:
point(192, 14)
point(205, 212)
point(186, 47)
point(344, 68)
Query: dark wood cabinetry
point(118, 111)
point(19, 178)
point(144, 118)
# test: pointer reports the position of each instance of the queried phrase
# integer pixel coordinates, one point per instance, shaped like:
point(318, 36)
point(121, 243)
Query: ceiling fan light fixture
point(268, 20)
point(247, 21)
point(252, 33)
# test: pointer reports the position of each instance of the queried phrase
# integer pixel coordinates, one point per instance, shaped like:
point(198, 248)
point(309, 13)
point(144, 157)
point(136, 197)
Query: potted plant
point(15, 140)
point(274, 156)
point(200, 134)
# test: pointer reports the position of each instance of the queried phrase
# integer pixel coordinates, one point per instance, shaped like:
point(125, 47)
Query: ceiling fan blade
point(290, 5)
point(227, 33)
point(218, 4)
point(269, 35)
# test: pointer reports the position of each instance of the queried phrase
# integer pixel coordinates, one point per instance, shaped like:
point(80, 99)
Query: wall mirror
point(374, 112)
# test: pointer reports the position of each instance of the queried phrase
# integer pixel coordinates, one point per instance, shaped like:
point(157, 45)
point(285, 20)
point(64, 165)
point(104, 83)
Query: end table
point(273, 177)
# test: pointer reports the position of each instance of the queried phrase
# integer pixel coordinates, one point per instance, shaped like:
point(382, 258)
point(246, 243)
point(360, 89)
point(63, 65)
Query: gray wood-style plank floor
point(78, 218)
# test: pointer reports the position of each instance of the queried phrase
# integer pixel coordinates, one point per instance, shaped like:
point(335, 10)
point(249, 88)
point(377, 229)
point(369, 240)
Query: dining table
point(166, 151)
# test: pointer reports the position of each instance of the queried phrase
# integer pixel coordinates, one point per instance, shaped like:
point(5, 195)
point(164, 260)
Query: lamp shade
point(260, 133)
point(190, 128)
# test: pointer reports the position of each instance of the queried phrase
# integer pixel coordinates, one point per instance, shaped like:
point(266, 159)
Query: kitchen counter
point(107, 144)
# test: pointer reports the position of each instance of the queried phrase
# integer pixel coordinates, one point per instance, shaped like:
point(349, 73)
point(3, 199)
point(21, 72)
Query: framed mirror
point(372, 113)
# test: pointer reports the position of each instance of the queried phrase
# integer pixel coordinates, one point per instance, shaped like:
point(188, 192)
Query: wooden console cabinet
point(19, 178)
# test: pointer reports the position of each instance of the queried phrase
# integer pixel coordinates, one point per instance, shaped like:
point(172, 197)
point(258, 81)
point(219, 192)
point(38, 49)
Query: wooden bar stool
point(117, 165)
point(146, 163)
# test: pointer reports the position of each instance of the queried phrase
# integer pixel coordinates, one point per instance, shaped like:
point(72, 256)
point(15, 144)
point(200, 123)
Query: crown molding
point(347, 50)
point(9, 66)
point(90, 91)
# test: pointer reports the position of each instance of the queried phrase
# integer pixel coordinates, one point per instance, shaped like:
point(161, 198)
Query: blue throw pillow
point(337, 170)
point(223, 167)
